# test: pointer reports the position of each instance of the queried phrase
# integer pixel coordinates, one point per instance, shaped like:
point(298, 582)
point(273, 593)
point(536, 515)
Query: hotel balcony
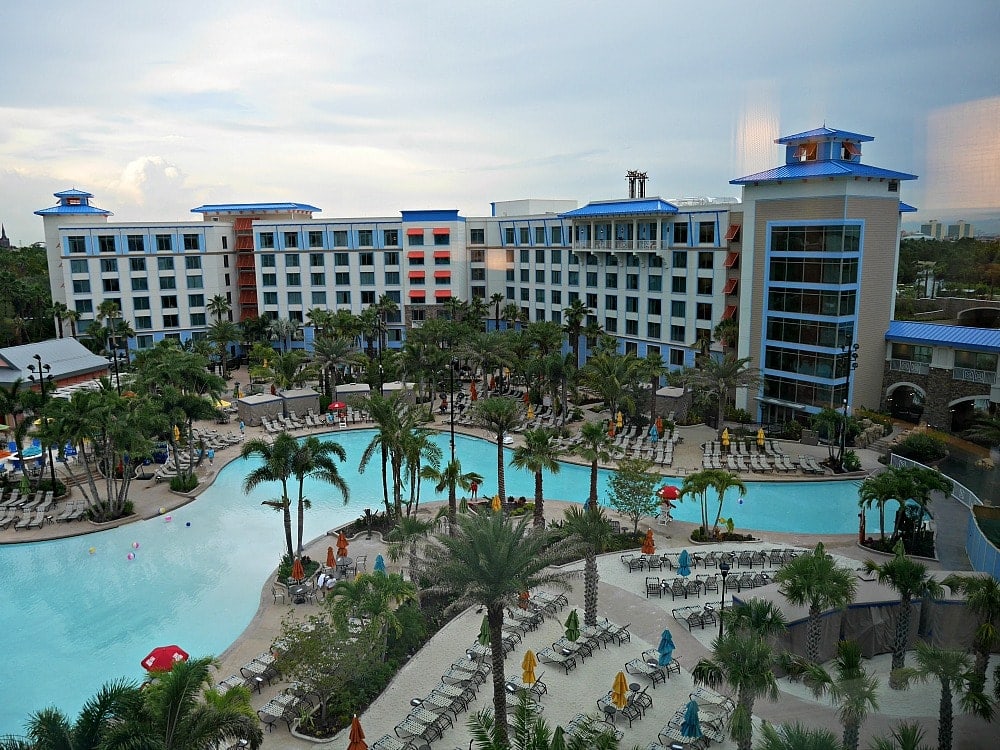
point(974, 376)
point(906, 365)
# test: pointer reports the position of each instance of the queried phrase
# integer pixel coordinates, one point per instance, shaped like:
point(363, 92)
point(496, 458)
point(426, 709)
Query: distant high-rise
point(4, 242)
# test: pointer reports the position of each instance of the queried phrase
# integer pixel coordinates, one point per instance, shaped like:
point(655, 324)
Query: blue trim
point(955, 337)
point(251, 207)
point(824, 133)
point(828, 168)
point(442, 215)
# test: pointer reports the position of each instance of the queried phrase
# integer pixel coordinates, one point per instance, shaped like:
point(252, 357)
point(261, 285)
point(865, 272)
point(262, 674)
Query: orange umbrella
point(522, 599)
point(619, 692)
point(528, 665)
point(357, 738)
point(611, 428)
point(659, 425)
point(298, 572)
point(341, 545)
point(648, 548)
point(526, 398)
point(331, 561)
point(473, 393)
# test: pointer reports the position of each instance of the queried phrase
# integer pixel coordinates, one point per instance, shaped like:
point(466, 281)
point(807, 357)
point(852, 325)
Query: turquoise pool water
point(72, 619)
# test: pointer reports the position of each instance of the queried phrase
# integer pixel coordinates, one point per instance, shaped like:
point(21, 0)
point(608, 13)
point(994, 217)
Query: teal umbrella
point(573, 626)
point(484, 632)
point(684, 564)
point(665, 651)
point(691, 726)
point(379, 564)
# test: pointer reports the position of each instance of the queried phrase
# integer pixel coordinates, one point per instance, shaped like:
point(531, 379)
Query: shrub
point(742, 416)
point(791, 430)
point(851, 461)
point(923, 447)
point(183, 484)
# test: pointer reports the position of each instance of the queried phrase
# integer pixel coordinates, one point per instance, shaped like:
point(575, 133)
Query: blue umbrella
point(379, 564)
point(654, 435)
point(665, 649)
point(691, 727)
point(684, 564)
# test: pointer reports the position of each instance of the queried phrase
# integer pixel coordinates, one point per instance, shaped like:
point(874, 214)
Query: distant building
point(4, 242)
point(934, 229)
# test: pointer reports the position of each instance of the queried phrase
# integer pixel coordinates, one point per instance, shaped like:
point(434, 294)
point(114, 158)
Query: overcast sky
point(369, 108)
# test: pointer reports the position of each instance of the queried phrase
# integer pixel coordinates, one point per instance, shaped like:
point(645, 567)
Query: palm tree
point(954, 670)
point(814, 579)
point(744, 659)
point(315, 458)
point(985, 430)
point(222, 333)
point(477, 311)
point(904, 736)
point(538, 454)
point(853, 689)
point(880, 489)
point(614, 378)
point(700, 482)
point(595, 446)
point(727, 332)
point(330, 354)
point(982, 598)
point(72, 317)
point(498, 415)
point(404, 537)
point(573, 317)
point(654, 368)
point(58, 311)
point(372, 598)
point(282, 330)
point(590, 529)
point(720, 377)
point(278, 467)
point(319, 319)
point(495, 299)
point(219, 306)
point(490, 562)
point(168, 714)
point(798, 737)
point(450, 478)
point(387, 441)
point(911, 580)
point(286, 370)
point(418, 448)
point(511, 314)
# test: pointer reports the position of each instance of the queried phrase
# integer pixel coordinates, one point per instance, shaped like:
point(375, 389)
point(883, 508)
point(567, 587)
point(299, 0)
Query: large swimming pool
point(72, 620)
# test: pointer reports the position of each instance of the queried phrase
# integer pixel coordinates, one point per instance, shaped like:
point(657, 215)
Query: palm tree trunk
point(501, 486)
point(286, 511)
point(452, 510)
point(590, 588)
point(302, 514)
point(813, 635)
point(385, 481)
point(539, 515)
point(592, 499)
point(494, 617)
point(852, 731)
point(745, 742)
point(899, 642)
point(978, 681)
point(945, 718)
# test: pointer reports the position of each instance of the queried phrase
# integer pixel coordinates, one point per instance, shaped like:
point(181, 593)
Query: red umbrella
point(668, 492)
point(473, 393)
point(526, 398)
point(331, 561)
point(357, 738)
point(341, 545)
point(336, 406)
point(611, 428)
point(298, 572)
point(163, 658)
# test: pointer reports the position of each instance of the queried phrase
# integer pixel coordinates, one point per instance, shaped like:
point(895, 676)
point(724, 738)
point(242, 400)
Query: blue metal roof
point(218, 207)
point(906, 208)
point(825, 168)
point(956, 337)
point(624, 207)
point(73, 193)
point(824, 133)
point(430, 215)
point(72, 210)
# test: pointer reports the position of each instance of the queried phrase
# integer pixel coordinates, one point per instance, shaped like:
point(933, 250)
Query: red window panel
point(242, 225)
point(442, 274)
point(412, 254)
point(442, 253)
point(731, 286)
point(414, 231)
point(442, 293)
point(244, 242)
point(416, 274)
point(442, 230)
point(730, 312)
point(731, 259)
point(417, 295)
point(248, 297)
point(733, 234)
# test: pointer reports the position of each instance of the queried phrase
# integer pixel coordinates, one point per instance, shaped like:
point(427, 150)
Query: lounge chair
point(548, 656)
point(651, 671)
point(579, 648)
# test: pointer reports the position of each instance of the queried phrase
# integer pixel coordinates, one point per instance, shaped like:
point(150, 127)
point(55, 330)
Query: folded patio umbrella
point(484, 632)
point(619, 691)
point(573, 626)
point(357, 737)
point(684, 563)
point(665, 650)
point(379, 564)
point(528, 665)
point(691, 726)
point(331, 561)
point(648, 547)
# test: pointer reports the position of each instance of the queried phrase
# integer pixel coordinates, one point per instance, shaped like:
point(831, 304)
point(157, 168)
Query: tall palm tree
point(286, 370)
point(451, 477)
point(72, 317)
point(498, 415)
point(653, 367)
point(319, 319)
point(982, 598)
point(595, 447)
point(797, 737)
point(718, 480)
point(58, 311)
point(331, 353)
point(814, 579)
point(511, 314)
point(853, 689)
point(490, 562)
point(317, 459)
point(404, 538)
point(538, 454)
point(953, 669)
point(219, 306)
point(418, 448)
point(495, 299)
point(168, 715)
point(911, 580)
point(282, 330)
point(222, 333)
point(573, 317)
point(590, 529)
point(878, 490)
point(744, 659)
point(278, 466)
point(387, 441)
point(614, 378)
point(477, 311)
point(372, 598)
point(719, 378)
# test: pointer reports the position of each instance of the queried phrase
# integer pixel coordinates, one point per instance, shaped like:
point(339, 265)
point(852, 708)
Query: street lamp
point(851, 349)
point(724, 570)
point(43, 373)
point(451, 394)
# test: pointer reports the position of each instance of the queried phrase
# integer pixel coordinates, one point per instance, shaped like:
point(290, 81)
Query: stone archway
point(964, 411)
point(905, 401)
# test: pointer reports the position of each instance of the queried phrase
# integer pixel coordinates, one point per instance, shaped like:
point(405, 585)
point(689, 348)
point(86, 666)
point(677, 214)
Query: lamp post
point(852, 350)
point(724, 570)
point(451, 395)
point(368, 522)
point(42, 372)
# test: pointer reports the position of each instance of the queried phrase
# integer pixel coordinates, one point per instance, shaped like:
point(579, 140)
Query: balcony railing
point(974, 376)
point(618, 245)
point(906, 365)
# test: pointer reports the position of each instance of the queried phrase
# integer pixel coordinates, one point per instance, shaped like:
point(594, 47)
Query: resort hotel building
point(805, 263)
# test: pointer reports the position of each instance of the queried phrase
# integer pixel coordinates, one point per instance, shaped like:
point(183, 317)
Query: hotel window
point(706, 260)
point(676, 333)
point(293, 279)
point(539, 235)
point(368, 298)
point(342, 278)
point(524, 295)
point(524, 236)
point(270, 298)
point(197, 318)
point(367, 278)
point(573, 278)
point(84, 306)
point(679, 259)
point(165, 264)
point(653, 330)
point(267, 260)
point(509, 274)
point(192, 263)
point(143, 322)
point(140, 284)
point(970, 360)
point(611, 325)
point(317, 279)
point(478, 274)
point(654, 306)
point(106, 244)
point(677, 309)
point(442, 239)
point(168, 301)
point(678, 284)
point(539, 275)
point(557, 277)
point(477, 236)
point(343, 298)
point(225, 244)
point(508, 236)
point(340, 238)
point(525, 255)
point(80, 266)
point(295, 316)
point(266, 239)
point(591, 300)
point(391, 258)
point(704, 286)
point(190, 242)
point(632, 281)
point(680, 234)
point(292, 260)
point(611, 280)
point(540, 255)
point(365, 238)
point(556, 235)
point(632, 304)
point(540, 295)
point(655, 261)
point(109, 265)
point(341, 259)
point(591, 278)
point(82, 286)
point(291, 239)
point(140, 303)
point(390, 237)
point(316, 260)
point(442, 261)
point(415, 240)
point(655, 283)
point(610, 302)
point(76, 244)
point(319, 298)
point(392, 278)
point(477, 256)
point(479, 292)
point(295, 298)
point(168, 282)
point(269, 279)
point(509, 256)
point(556, 300)
point(677, 357)
point(315, 239)
point(631, 327)
point(706, 232)
point(136, 243)
point(703, 311)
point(196, 300)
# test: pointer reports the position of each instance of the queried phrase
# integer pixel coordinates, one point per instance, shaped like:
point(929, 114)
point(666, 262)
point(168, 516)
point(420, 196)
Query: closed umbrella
point(341, 545)
point(611, 428)
point(654, 434)
point(357, 738)
point(691, 726)
point(619, 420)
point(619, 691)
point(473, 393)
point(526, 398)
point(528, 665)
point(760, 437)
point(177, 434)
point(379, 564)
point(573, 626)
point(298, 572)
point(648, 547)
point(522, 600)
point(531, 411)
point(725, 438)
point(684, 563)
point(331, 561)
point(659, 425)
point(665, 651)
point(484, 632)
point(496, 505)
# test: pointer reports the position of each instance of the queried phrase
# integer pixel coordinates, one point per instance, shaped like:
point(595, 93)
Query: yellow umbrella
point(177, 434)
point(496, 504)
point(221, 404)
point(619, 420)
point(760, 437)
point(531, 412)
point(725, 438)
point(619, 692)
point(528, 665)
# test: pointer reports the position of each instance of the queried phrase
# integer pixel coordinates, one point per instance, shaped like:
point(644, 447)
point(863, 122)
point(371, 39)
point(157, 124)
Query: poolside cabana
point(347, 391)
point(252, 408)
point(300, 400)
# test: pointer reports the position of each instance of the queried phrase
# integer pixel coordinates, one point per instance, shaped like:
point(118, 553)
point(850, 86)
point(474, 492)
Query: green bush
point(183, 484)
point(851, 461)
point(791, 430)
point(412, 636)
point(734, 414)
point(923, 447)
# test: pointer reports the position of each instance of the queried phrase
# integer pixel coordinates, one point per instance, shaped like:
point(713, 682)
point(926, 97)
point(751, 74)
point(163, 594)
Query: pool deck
point(618, 601)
